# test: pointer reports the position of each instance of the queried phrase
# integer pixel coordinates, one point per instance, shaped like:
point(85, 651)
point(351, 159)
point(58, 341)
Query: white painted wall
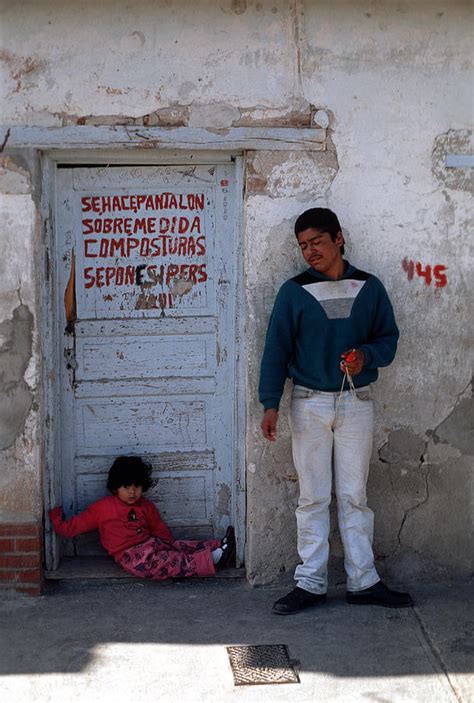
point(392, 75)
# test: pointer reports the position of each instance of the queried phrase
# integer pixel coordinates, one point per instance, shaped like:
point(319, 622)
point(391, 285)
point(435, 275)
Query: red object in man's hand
point(349, 357)
point(353, 361)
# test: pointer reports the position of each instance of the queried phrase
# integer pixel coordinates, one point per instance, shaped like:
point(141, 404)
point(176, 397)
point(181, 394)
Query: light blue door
point(149, 361)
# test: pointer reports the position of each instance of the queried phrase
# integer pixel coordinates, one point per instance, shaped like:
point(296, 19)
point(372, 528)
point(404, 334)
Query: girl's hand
point(353, 361)
point(56, 514)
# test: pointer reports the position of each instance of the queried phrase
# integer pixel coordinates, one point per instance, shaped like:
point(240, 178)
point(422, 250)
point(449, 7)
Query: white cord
point(347, 376)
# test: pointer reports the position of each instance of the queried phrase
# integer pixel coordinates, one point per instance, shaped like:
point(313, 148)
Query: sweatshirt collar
point(349, 270)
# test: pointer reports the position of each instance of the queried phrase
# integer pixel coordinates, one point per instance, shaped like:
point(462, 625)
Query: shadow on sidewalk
point(61, 632)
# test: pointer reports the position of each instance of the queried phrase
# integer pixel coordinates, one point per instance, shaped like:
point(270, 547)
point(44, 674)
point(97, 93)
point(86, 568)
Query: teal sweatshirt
point(315, 320)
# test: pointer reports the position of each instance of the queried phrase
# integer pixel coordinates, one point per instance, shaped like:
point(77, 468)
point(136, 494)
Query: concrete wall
point(21, 498)
point(393, 81)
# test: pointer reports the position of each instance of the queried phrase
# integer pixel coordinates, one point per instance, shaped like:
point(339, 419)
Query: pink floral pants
point(155, 559)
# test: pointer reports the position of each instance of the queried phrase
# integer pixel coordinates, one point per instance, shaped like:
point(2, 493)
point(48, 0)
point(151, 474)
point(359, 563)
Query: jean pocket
point(300, 393)
point(364, 395)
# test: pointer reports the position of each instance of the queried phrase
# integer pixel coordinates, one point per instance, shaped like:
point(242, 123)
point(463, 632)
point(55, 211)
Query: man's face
point(319, 251)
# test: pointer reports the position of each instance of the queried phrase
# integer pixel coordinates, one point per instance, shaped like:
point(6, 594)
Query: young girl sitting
point(133, 533)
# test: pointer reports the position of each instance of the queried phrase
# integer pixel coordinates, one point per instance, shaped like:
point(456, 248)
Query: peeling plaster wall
point(20, 477)
point(271, 258)
point(391, 81)
point(132, 63)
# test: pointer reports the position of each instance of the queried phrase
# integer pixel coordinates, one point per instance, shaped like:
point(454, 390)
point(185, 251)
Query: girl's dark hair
point(127, 470)
point(320, 218)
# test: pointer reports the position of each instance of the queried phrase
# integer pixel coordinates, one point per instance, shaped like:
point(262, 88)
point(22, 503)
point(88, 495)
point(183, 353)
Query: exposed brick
point(31, 590)
point(20, 561)
point(28, 544)
point(8, 576)
point(21, 558)
point(7, 544)
point(28, 576)
point(21, 529)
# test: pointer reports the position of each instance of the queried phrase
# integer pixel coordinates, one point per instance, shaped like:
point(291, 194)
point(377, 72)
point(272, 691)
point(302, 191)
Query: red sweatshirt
point(120, 526)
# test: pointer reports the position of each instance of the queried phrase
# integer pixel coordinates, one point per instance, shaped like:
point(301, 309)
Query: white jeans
point(322, 430)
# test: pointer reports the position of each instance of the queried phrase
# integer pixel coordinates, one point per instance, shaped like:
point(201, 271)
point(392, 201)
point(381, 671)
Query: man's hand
point(269, 424)
point(353, 361)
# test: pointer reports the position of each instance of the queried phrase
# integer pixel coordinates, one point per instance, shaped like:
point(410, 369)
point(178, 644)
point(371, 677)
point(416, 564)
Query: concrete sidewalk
point(139, 641)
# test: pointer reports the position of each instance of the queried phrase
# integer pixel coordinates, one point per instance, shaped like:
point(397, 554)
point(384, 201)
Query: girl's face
point(129, 494)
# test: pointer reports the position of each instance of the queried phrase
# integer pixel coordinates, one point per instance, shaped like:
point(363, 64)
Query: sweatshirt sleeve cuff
point(271, 403)
point(368, 357)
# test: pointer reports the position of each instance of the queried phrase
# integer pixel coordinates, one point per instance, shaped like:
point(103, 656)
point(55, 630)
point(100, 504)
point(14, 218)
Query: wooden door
point(146, 295)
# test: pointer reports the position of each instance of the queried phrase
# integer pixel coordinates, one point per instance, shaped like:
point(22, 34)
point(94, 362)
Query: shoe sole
point(294, 612)
point(371, 601)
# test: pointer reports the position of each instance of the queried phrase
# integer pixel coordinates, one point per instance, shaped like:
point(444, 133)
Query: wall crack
point(5, 140)
point(425, 470)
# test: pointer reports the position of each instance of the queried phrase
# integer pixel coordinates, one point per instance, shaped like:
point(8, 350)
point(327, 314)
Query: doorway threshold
point(103, 567)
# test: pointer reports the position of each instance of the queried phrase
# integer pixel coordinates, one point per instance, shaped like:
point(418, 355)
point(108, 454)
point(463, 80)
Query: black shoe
point(379, 594)
point(297, 600)
point(228, 549)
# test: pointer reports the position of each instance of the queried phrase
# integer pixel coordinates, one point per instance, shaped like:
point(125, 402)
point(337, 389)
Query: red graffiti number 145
point(427, 272)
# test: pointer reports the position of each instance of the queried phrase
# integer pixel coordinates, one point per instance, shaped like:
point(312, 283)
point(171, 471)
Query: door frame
point(51, 298)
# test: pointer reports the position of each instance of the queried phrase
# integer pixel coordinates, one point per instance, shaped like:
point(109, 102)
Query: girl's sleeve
point(156, 525)
point(84, 522)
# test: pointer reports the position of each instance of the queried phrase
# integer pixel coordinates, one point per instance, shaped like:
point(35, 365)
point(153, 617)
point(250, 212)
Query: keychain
point(348, 358)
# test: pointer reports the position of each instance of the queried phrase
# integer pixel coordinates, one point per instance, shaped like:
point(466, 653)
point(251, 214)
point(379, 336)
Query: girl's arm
point(156, 525)
point(84, 522)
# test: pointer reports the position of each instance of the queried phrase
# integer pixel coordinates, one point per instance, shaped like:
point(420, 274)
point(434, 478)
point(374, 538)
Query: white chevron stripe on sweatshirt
point(335, 297)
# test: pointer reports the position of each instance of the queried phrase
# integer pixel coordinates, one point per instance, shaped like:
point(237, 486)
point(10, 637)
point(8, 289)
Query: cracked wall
point(278, 186)
point(174, 71)
point(16, 398)
point(390, 187)
point(427, 512)
point(20, 476)
point(459, 142)
point(392, 83)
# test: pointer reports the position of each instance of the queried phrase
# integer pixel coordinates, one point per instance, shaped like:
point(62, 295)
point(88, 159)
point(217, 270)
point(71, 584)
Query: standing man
point(331, 327)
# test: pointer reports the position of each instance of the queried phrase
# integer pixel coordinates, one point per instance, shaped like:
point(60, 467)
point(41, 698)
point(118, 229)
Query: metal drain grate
point(262, 663)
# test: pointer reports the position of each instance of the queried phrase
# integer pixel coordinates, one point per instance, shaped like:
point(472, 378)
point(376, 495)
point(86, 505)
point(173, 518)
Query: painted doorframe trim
point(89, 137)
point(240, 405)
point(51, 345)
point(49, 350)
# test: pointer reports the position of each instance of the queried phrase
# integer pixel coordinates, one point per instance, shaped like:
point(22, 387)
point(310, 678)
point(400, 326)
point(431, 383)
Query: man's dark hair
point(320, 218)
point(128, 470)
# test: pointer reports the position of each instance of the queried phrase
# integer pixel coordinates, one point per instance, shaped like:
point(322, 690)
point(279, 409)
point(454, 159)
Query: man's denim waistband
point(312, 391)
